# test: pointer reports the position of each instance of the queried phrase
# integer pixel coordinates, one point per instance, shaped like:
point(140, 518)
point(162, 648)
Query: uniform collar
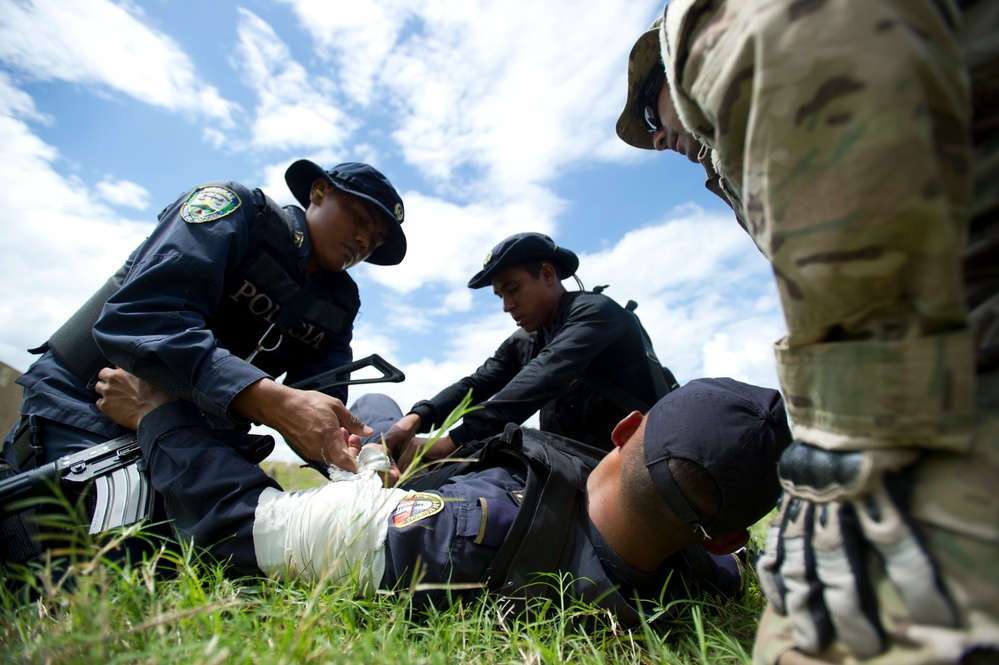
point(303, 249)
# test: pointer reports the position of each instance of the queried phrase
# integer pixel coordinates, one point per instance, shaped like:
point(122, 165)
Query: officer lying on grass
point(656, 519)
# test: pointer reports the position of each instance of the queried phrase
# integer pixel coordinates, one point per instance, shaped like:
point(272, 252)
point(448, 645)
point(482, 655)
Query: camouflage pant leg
point(843, 128)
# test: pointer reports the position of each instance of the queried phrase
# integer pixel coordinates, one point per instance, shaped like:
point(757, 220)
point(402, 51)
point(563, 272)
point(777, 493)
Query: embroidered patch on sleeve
point(209, 203)
point(416, 507)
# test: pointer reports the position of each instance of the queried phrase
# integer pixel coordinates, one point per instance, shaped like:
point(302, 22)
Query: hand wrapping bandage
point(335, 532)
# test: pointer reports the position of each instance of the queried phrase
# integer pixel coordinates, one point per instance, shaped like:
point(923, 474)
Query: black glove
point(836, 509)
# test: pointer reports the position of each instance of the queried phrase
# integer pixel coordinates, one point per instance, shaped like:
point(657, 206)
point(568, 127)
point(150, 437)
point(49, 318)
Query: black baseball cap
point(360, 180)
point(736, 432)
point(523, 248)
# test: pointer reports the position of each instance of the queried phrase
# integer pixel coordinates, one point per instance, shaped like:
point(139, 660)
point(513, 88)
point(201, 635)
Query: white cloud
point(699, 282)
point(123, 193)
point(355, 39)
point(509, 90)
point(447, 240)
point(60, 242)
point(100, 42)
point(749, 359)
point(296, 108)
point(17, 104)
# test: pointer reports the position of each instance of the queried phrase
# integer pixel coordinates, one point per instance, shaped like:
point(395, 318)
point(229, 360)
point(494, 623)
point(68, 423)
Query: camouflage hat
point(360, 180)
point(644, 63)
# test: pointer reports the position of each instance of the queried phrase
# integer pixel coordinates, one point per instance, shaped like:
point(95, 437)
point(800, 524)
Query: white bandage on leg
point(334, 532)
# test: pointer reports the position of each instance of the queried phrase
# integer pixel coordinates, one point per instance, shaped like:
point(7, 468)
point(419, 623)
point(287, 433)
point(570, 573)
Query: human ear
point(626, 428)
point(318, 191)
point(548, 273)
point(726, 544)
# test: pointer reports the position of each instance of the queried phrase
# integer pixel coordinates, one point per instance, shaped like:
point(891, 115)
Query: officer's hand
point(428, 452)
point(308, 420)
point(125, 398)
point(384, 465)
point(401, 434)
point(837, 508)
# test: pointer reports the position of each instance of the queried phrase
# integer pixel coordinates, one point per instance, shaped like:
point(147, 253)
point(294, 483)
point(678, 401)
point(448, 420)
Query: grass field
point(174, 608)
point(292, 476)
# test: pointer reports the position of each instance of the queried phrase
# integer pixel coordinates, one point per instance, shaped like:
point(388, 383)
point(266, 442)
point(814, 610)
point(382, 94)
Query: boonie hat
point(644, 62)
point(736, 431)
point(523, 248)
point(360, 180)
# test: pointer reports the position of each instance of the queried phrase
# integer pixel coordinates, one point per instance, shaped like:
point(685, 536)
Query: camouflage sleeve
point(851, 157)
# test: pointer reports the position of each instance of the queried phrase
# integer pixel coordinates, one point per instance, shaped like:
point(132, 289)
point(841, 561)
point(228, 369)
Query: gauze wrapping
point(334, 532)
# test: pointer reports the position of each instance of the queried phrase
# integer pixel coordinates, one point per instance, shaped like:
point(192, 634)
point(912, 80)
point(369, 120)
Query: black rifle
point(123, 494)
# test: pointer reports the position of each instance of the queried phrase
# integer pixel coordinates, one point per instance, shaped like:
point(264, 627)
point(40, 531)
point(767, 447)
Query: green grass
point(173, 607)
point(292, 475)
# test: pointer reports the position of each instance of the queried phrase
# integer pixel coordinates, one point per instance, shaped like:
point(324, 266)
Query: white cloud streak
point(101, 43)
point(60, 242)
point(296, 108)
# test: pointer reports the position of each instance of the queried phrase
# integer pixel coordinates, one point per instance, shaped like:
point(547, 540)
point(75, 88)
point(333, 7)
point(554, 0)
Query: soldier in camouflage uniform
point(858, 143)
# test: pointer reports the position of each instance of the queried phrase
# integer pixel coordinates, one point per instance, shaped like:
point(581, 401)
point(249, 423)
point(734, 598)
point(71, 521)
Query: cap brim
point(645, 56)
point(566, 261)
point(735, 431)
point(303, 173)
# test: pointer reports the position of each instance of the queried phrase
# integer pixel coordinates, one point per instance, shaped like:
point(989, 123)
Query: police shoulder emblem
point(416, 507)
point(209, 203)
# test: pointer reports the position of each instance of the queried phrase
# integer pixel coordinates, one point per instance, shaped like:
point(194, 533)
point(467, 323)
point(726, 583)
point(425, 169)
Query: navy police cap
point(735, 431)
point(360, 180)
point(524, 248)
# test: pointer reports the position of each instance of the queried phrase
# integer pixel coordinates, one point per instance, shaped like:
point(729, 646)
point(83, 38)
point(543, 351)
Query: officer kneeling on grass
point(579, 358)
point(229, 291)
point(655, 519)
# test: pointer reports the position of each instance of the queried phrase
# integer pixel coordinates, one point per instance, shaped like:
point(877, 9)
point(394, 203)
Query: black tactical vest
point(307, 318)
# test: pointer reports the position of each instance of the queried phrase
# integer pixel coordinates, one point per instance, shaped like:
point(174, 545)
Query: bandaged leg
point(334, 533)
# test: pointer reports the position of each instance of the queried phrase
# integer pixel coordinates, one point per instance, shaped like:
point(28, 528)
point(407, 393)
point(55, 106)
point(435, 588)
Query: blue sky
point(490, 119)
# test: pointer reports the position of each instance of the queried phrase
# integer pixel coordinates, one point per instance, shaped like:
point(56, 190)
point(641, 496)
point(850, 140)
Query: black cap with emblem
point(523, 248)
point(360, 180)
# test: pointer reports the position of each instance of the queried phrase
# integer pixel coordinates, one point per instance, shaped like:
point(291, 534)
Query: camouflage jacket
point(872, 196)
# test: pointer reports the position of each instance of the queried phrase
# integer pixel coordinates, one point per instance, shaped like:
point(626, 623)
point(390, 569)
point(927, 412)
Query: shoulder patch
point(416, 507)
point(209, 203)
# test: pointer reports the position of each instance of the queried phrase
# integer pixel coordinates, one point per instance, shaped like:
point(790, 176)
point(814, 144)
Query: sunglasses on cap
point(651, 96)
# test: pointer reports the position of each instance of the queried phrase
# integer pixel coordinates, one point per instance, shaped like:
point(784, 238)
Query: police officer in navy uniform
point(578, 357)
point(656, 519)
point(228, 292)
